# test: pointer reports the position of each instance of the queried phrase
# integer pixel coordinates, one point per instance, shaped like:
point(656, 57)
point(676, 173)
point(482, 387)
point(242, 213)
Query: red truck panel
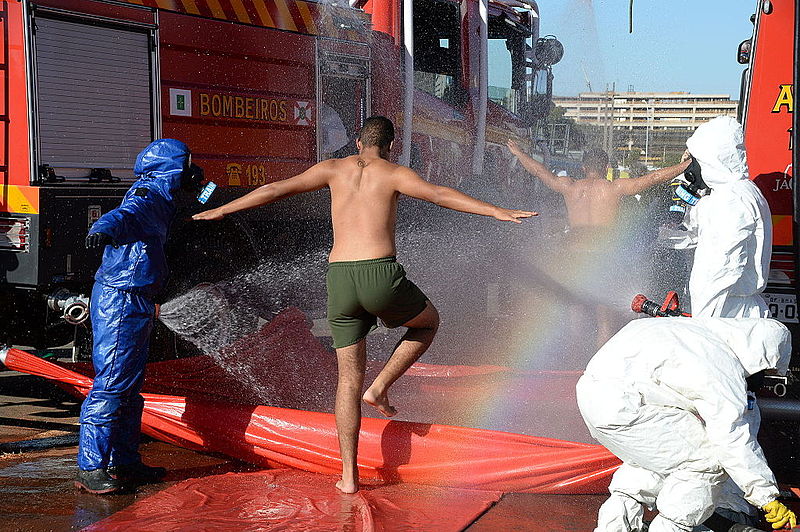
point(290, 15)
point(386, 17)
point(16, 195)
point(242, 97)
point(15, 105)
point(769, 116)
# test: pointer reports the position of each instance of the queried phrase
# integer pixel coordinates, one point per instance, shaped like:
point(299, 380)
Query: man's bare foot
point(381, 402)
point(347, 487)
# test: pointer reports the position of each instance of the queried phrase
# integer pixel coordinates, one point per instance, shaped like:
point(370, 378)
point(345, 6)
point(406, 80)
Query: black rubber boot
point(137, 473)
point(97, 481)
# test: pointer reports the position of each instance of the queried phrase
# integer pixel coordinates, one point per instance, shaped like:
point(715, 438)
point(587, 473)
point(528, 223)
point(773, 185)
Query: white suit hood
point(644, 347)
point(759, 344)
point(718, 145)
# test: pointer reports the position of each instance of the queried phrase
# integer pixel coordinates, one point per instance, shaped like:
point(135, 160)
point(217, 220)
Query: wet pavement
point(37, 491)
point(36, 481)
point(37, 494)
point(33, 408)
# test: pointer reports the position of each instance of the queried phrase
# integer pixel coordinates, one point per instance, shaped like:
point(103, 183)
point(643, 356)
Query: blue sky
point(676, 45)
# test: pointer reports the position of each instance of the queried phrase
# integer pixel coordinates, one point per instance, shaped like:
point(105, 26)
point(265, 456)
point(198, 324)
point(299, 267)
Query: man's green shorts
point(361, 291)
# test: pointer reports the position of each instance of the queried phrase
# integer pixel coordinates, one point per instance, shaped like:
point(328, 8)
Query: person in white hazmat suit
point(731, 230)
point(730, 227)
point(668, 397)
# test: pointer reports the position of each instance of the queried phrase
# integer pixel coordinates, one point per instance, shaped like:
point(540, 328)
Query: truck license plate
point(782, 307)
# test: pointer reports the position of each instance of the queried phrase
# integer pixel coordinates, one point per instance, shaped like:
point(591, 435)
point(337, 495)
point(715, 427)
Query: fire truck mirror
point(743, 55)
point(548, 51)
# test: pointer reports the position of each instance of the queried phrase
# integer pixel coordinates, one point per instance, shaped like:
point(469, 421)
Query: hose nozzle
point(641, 304)
point(670, 307)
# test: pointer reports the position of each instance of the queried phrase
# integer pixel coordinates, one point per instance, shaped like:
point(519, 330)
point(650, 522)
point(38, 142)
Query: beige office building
point(656, 122)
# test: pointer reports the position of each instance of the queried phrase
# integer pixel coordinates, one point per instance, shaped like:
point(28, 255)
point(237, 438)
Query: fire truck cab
point(766, 109)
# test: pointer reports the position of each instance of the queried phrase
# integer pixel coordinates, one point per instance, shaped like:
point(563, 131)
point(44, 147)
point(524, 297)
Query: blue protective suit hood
point(139, 226)
point(163, 161)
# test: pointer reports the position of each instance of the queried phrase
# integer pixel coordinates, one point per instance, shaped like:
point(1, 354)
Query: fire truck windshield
point(507, 45)
point(437, 50)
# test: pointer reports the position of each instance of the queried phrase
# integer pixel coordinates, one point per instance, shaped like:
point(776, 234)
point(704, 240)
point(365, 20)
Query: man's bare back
point(363, 208)
point(593, 202)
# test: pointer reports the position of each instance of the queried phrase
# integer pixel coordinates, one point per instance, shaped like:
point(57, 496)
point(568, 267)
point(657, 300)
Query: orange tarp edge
point(389, 451)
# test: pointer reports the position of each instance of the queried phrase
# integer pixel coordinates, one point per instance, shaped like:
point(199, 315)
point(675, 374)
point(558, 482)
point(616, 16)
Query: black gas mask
point(192, 181)
point(687, 191)
point(694, 188)
point(192, 178)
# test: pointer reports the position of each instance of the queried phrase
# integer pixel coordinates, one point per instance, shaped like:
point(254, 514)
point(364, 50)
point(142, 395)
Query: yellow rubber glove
point(778, 515)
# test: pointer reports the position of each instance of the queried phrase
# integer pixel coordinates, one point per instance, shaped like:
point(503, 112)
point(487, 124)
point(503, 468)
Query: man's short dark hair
point(377, 131)
point(595, 159)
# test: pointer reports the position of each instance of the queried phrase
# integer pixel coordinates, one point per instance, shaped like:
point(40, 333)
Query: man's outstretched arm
point(411, 184)
point(635, 185)
point(312, 179)
point(535, 168)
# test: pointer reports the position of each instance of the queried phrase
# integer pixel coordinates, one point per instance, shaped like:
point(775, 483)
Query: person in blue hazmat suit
point(668, 396)
point(133, 271)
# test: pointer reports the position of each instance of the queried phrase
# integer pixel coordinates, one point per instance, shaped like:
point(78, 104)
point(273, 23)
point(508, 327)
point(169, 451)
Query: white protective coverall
point(731, 228)
point(732, 231)
point(668, 397)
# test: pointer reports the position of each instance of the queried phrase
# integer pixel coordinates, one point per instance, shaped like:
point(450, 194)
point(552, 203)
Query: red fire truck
point(257, 89)
point(767, 104)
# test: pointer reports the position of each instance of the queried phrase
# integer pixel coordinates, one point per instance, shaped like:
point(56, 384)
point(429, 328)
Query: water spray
point(199, 311)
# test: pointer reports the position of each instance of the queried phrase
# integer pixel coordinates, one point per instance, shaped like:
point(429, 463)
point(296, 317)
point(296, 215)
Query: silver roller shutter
point(94, 99)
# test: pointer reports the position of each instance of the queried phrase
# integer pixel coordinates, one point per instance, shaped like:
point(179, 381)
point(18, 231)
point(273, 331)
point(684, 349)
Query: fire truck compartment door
point(94, 98)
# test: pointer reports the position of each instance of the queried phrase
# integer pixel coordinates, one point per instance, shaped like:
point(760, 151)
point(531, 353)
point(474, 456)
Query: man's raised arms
point(312, 179)
point(635, 185)
point(535, 168)
point(411, 184)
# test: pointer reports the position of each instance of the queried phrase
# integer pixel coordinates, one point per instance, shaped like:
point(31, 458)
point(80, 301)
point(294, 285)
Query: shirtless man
point(594, 201)
point(364, 280)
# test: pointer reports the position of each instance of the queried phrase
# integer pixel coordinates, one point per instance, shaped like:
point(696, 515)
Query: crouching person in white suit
point(668, 396)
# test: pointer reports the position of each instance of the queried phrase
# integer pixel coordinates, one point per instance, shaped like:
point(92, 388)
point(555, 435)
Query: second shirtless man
point(593, 205)
point(593, 202)
point(364, 281)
